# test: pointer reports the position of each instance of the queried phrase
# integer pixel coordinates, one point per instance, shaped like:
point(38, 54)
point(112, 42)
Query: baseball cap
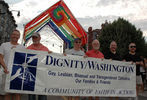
point(36, 34)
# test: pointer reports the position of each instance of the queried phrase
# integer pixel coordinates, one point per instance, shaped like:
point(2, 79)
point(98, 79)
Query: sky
point(87, 12)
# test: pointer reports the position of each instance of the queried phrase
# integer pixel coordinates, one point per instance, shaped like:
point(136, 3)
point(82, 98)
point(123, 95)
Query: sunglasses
point(132, 46)
point(77, 42)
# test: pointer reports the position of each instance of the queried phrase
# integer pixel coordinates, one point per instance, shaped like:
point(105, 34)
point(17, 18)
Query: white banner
point(36, 72)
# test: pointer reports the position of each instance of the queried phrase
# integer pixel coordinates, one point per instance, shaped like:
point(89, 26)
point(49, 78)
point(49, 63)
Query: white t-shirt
point(6, 48)
point(75, 52)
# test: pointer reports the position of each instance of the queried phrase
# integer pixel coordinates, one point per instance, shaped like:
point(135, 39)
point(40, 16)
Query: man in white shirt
point(76, 50)
point(4, 57)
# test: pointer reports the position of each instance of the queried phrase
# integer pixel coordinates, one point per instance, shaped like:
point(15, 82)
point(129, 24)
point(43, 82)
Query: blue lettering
point(76, 63)
point(131, 69)
point(102, 66)
point(91, 64)
point(49, 60)
point(59, 63)
point(71, 63)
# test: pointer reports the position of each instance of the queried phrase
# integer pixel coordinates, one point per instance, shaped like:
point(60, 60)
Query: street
point(142, 96)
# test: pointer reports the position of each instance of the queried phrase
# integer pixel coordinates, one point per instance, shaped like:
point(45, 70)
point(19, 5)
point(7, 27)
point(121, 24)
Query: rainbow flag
point(60, 19)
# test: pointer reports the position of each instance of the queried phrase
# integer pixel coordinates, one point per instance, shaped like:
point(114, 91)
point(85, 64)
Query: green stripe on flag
point(35, 28)
point(67, 35)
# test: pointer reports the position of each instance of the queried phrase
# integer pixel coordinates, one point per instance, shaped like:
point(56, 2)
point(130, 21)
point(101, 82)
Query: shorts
point(2, 84)
point(138, 80)
point(143, 75)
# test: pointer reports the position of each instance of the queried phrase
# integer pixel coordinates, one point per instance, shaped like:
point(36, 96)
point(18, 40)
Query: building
point(93, 34)
point(7, 22)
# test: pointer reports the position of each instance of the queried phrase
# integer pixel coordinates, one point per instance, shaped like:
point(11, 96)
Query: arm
point(140, 63)
point(3, 64)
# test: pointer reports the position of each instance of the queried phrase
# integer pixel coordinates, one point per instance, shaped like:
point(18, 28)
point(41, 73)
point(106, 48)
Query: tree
point(123, 33)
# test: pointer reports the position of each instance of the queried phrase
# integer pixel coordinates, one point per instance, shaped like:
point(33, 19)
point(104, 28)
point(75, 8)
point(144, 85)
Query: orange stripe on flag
point(68, 29)
point(71, 27)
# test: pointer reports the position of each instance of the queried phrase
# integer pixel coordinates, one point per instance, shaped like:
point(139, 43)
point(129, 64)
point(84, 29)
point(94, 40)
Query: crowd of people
point(131, 56)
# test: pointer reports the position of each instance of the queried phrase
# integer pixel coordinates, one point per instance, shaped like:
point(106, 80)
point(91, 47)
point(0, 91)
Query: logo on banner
point(23, 74)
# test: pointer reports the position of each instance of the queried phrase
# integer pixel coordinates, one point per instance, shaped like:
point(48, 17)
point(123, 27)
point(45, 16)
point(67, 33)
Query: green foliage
point(123, 33)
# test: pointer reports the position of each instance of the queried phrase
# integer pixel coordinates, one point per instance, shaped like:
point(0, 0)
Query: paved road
point(142, 96)
point(25, 97)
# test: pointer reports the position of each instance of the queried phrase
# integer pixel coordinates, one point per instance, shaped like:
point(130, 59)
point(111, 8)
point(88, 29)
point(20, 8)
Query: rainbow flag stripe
point(60, 19)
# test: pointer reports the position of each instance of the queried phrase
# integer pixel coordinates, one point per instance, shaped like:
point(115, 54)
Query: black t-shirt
point(112, 56)
point(134, 58)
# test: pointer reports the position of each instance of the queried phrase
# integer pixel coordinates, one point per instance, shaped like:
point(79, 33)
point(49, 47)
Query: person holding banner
point(36, 45)
point(4, 57)
point(95, 53)
point(113, 55)
point(75, 51)
point(133, 57)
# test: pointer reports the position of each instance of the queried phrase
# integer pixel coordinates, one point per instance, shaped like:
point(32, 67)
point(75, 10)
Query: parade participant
point(36, 45)
point(78, 52)
point(4, 56)
point(113, 55)
point(143, 74)
point(95, 53)
point(133, 57)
